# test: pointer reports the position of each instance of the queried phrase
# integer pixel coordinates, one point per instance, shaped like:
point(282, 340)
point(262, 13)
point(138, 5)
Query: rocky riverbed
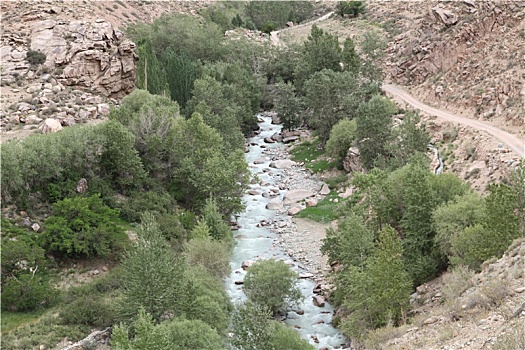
point(267, 230)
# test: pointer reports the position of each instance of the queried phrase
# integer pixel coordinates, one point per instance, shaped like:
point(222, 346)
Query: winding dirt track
point(512, 141)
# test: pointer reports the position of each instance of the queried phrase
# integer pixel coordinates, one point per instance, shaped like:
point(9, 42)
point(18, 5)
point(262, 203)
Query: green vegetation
point(272, 285)
point(324, 211)
point(351, 8)
point(82, 227)
point(254, 329)
point(35, 57)
point(169, 168)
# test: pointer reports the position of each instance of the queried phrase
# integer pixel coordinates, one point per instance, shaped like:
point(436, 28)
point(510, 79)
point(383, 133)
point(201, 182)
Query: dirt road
point(512, 141)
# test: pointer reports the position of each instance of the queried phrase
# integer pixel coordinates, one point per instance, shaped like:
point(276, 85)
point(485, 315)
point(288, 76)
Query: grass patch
point(334, 182)
point(312, 155)
point(13, 320)
point(323, 212)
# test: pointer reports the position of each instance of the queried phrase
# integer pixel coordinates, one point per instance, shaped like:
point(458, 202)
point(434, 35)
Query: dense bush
point(82, 227)
point(272, 284)
point(254, 329)
point(342, 137)
point(27, 292)
point(21, 255)
point(352, 8)
point(176, 334)
point(35, 57)
point(209, 253)
point(89, 309)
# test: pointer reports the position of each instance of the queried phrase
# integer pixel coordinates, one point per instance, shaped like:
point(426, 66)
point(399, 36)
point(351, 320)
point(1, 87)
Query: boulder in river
point(294, 196)
point(274, 204)
point(318, 300)
point(282, 164)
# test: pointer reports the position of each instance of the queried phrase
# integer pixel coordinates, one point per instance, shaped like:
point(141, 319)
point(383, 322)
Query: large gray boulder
point(282, 164)
point(294, 196)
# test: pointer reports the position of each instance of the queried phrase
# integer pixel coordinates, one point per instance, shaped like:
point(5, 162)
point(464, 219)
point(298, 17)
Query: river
point(256, 242)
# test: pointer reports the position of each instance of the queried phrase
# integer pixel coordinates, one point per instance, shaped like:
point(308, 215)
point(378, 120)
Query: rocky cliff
point(462, 55)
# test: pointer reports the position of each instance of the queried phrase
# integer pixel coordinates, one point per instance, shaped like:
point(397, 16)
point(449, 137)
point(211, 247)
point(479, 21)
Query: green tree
point(380, 292)
point(330, 97)
point(351, 8)
point(288, 106)
point(28, 292)
point(272, 284)
point(342, 137)
point(320, 51)
point(151, 75)
point(181, 73)
point(20, 255)
point(491, 237)
point(120, 160)
point(217, 227)
point(452, 218)
point(408, 138)
point(374, 125)
point(254, 329)
point(351, 244)
point(82, 227)
point(152, 275)
point(203, 171)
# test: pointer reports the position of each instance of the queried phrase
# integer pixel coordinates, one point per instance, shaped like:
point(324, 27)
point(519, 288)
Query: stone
point(239, 282)
point(352, 162)
point(290, 139)
point(430, 320)
point(103, 109)
point(318, 300)
point(95, 272)
point(282, 164)
point(246, 264)
point(82, 185)
point(253, 192)
point(311, 202)
point(447, 17)
point(347, 193)
point(26, 222)
point(519, 290)
point(324, 190)
point(294, 196)
point(269, 140)
point(35, 227)
point(50, 125)
point(294, 211)
point(33, 119)
point(306, 275)
point(274, 204)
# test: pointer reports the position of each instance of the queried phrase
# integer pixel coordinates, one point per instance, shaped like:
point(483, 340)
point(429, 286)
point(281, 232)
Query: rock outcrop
point(462, 55)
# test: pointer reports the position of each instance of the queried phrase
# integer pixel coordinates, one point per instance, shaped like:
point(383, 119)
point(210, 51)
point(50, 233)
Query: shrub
point(21, 255)
point(272, 284)
point(28, 292)
point(91, 310)
point(35, 57)
point(82, 227)
point(342, 136)
point(253, 328)
point(352, 8)
point(211, 254)
point(172, 335)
